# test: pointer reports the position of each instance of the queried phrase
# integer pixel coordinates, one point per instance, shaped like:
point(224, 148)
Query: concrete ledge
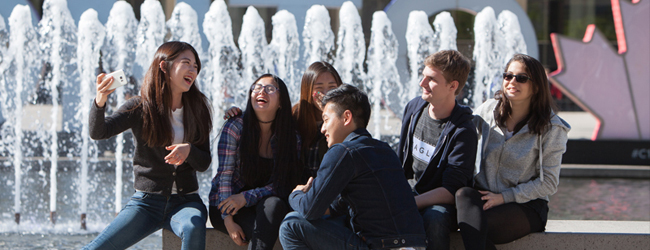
point(214, 239)
point(605, 171)
point(560, 234)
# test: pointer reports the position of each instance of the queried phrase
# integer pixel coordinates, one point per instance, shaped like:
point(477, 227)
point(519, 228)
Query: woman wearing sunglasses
point(521, 142)
point(258, 167)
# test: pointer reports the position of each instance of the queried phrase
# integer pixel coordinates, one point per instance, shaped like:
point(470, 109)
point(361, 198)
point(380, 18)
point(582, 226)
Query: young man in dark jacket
point(359, 177)
point(438, 144)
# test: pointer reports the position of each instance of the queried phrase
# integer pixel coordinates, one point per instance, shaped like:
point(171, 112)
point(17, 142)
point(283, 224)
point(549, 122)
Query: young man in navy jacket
point(438, 144)
point(359, 177)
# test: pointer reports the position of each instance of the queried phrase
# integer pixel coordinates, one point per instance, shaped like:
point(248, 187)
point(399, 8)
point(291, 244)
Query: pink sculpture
point(614, 87)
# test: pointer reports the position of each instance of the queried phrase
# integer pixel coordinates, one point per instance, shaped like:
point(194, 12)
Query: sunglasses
point(518, 78)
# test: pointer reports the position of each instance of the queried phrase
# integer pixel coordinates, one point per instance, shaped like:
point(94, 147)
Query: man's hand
point(492, 199)
point(306, 187)
point(235, 232)
point(232, 204)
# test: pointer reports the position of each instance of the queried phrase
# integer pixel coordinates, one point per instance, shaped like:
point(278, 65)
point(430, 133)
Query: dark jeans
point(260, 223)
point(439, 221)
point(145, 213)
point(298, 233)
point(481, 229)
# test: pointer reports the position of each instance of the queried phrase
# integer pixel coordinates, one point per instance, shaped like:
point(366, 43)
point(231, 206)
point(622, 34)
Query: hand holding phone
point(119, 79)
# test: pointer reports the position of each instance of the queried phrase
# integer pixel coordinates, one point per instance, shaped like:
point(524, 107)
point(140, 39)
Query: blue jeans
point(145, 213)
point(296, 232)
point(439, 221)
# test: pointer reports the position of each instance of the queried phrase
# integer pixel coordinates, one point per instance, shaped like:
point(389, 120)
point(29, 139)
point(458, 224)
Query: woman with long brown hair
point(521, 142)
point(171, 125)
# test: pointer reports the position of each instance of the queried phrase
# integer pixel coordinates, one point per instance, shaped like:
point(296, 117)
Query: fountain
point(350, 47)
point(91, 40)
point(317, 36)
point(119, 53)
point(383, 80)
point(80, 176)
point(284, 51)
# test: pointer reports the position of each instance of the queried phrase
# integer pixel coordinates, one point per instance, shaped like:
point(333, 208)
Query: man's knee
point(438, 219)
point(291, 222)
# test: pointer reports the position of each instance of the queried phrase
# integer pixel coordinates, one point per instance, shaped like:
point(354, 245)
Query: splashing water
point(486, 55)
point(119, 52)
point(222, 72)
point(183, 26)
point(317, 36)
point(382, 72)
point(446, 31)
point(284, 51)
point(419, 44)
point(91, 39)
point(253, 46)
point(59, 44)
point(150, 34)
point(18, 69)
point(351, 47)
point(512, 37)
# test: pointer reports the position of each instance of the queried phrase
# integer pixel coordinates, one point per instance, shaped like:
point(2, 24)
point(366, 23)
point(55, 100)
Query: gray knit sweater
point(523, 168)
point(151, 173)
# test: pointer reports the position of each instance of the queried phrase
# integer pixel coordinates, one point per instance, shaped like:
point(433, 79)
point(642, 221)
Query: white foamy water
point(382, 72)
point(488, 63)
point(317, 36)
point(59, 44)
point(91, 40)
point(253, 46)
point(150, 35)
point(119, 53)
point(4, 39)
point(183, 26)
point(19, 68)
point(350, 47)
point(513, 38)
point(284, 52)
point(446, 31)
point(419, 44)
point(222, 73)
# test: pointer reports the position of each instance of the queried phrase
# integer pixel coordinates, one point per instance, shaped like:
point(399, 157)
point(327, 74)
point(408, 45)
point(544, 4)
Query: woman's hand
point(235, 232)
point(318, 99)
point(232, 112)
point(103, 85)
point(492, 199)
point(179, 153)
point(232, 204)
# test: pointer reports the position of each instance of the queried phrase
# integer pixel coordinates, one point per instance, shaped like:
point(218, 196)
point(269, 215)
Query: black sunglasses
point(518, 78)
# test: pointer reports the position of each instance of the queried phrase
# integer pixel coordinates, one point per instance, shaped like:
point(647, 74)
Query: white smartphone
point(119, 79)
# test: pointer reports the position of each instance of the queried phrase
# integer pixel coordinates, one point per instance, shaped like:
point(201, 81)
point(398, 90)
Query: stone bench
point(560, 234)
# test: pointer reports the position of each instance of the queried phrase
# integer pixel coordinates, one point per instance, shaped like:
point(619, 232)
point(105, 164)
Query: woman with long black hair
point(258, 167)
point(171, 125)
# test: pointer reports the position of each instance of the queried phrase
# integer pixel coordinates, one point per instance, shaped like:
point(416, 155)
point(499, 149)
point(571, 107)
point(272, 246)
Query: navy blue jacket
point(367, 175)
point(452, 162)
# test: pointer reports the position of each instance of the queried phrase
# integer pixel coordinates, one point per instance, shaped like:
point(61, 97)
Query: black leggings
point(260, 223)
point(501, 224)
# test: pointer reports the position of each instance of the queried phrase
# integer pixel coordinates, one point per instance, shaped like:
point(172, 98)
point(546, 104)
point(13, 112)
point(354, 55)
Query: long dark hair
point(287, 169)
point(541, 102)
point(157, 101)
point(305, 111)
